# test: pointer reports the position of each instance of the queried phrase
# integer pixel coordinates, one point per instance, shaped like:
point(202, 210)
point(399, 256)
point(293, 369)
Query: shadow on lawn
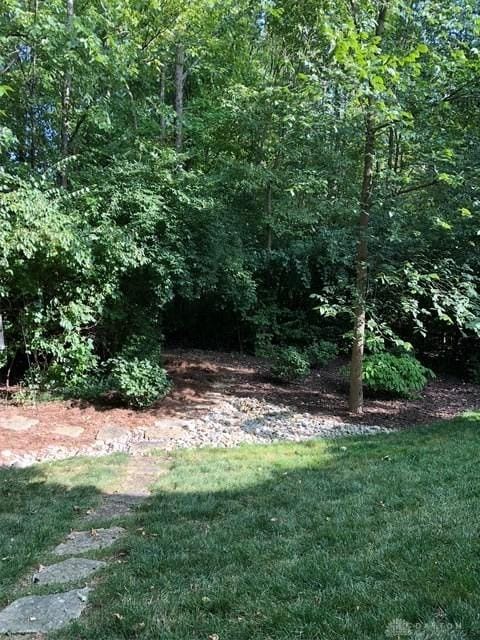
point(34, 516)
point(301, 542)
point(307, 541)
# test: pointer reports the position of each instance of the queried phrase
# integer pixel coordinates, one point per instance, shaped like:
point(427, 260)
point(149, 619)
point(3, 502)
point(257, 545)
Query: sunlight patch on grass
point(103, 472)
point(321, 540)
point(239, 468)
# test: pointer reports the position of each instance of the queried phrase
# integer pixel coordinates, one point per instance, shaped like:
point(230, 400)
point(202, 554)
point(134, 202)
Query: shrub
point(139, 382)
point(400, 375)
point(289, 364)
point(321, 353)
point(263, 346)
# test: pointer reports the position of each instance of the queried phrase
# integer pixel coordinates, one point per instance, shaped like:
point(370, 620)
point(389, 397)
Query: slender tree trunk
point(391, 147)
point(66, 103)
point(398, 146)
point(179, 83)
point(163, 82)
point(355, 400)
point(269, 216)
point(356, 366)
point(33, 92)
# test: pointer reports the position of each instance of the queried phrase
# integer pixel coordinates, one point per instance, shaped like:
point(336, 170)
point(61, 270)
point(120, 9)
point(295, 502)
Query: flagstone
point(40, 614)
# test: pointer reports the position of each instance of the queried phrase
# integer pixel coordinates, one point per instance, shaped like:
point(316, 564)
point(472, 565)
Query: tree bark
point(179, 84)
point(356, 367)
point(163, 82)
point(32, 98)
point(66, 103)
point(355, 400)
point(269, 216)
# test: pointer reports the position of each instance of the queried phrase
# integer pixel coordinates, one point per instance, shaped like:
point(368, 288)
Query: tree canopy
point(244, 174)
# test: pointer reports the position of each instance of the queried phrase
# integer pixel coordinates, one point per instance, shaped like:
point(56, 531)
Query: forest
point(295, 180)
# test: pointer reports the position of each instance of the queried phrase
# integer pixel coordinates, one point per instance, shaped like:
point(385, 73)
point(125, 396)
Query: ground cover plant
point(350, 538)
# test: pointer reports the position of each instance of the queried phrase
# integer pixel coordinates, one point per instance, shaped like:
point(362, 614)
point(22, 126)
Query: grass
point(297, 541)
point(40, 505)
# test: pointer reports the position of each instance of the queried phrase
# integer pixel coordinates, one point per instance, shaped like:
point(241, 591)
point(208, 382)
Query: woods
point(294, 180)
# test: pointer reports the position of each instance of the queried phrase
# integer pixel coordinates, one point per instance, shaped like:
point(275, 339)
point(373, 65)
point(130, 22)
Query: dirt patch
point(202, 380)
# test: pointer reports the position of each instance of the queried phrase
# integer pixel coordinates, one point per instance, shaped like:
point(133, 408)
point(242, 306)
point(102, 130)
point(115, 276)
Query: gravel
point(231, 423)
point(247, 420)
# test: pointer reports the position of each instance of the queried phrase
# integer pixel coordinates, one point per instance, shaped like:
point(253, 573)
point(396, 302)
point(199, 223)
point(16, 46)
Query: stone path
point(40, 614)
point(69, 570)
point(83, 541)
point(18, 423)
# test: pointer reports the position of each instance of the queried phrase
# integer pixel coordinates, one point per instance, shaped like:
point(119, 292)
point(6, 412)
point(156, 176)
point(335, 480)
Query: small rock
point(111, 434)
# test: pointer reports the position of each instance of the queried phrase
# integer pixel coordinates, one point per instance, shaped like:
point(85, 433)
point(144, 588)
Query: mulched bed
point(204, 378)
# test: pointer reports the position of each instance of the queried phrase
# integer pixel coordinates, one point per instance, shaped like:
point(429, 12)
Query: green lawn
point(40, 505)
point(313, 541)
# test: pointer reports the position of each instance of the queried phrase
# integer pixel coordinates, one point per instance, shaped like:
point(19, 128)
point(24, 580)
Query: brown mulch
point(203, 378)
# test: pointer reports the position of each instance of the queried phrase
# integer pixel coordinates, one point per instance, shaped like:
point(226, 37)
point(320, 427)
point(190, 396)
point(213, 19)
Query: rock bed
point(229, 423)
point(247, 420)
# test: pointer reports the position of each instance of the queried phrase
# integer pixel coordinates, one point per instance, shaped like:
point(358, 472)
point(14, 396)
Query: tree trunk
point(163, 82)
point(179, 80)
point(269, 216)
point(356, 367)
point(33, 98)
point(66, 103)
point(355, 400)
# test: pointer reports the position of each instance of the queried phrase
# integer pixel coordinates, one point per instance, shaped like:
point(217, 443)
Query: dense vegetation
point(246, 174)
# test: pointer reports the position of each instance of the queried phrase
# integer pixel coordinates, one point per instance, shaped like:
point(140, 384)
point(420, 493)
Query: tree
point(365, 205)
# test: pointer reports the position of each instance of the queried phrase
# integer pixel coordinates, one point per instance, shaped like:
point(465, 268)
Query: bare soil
point(204, 378)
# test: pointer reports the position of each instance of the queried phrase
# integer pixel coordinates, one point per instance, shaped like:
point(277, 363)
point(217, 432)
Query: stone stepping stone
point(18, 423)
point(40, 614)
point(114, 506)
point(112, 434)
point(69, 570)
point(68, 431)
point(83, 541)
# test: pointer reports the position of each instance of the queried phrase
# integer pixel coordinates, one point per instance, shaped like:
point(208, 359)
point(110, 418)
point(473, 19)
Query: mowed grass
point(309, 541)
point(322, 540)
point(40, 505)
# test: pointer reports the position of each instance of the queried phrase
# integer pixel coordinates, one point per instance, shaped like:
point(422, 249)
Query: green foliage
point(138, 382)
point(289, 364)
point(321, 353)
point(399, 375)
point(232, 236)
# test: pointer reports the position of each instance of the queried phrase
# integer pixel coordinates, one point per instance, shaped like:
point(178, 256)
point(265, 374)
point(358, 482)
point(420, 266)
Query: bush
point(321, 353)
point(289, 364)
point(139, 382)
point(263, 346)
point(401, 375)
